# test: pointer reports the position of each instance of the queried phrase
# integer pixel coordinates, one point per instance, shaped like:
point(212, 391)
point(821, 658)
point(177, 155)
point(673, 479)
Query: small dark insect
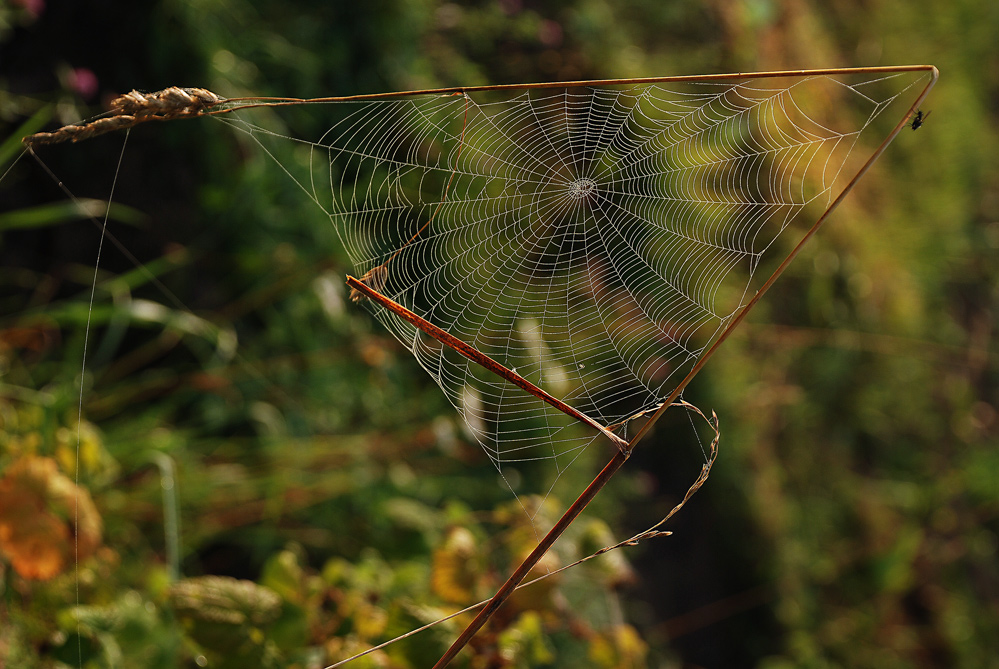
point(920, 118)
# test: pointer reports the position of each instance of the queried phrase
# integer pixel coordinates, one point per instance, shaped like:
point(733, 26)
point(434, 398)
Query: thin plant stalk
point(176, 103)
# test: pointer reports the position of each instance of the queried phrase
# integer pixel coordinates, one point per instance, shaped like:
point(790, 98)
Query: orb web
point(594, 239)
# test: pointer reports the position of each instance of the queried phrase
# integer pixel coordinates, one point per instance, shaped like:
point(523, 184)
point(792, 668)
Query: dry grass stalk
point(134, 108)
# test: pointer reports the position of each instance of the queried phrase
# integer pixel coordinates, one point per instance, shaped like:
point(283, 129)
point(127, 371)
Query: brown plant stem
point(621, 456)
point(650, 533)
point(174, 102)
point(474, 355)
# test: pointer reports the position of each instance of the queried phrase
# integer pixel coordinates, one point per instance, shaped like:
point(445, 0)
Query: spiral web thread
point(594, 240)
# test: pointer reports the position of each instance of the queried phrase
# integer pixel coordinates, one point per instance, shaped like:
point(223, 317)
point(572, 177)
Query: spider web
point(593, 239)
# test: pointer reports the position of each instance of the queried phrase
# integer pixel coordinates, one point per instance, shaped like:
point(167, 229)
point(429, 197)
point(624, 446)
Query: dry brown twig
point(651, 533)
point(363, 290)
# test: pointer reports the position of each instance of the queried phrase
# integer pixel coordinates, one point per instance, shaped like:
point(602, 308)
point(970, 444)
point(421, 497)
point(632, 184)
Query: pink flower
point(33, 7)
point(511, 7)
point(550, 33)
point(82, 81)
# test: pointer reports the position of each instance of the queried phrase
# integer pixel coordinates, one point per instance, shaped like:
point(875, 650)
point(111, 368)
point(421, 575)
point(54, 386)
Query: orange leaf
point(39, 510)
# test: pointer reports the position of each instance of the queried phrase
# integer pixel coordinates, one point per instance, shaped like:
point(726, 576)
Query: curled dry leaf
point(375, 279)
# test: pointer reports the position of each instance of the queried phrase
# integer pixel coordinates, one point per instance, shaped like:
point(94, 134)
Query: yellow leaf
point(455, 567)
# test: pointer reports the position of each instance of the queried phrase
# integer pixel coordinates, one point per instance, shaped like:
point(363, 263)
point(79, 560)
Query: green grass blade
point(12, 146)
point(60, 212)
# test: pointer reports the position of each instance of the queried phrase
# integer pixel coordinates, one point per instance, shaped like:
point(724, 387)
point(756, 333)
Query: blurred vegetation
point(275, 482)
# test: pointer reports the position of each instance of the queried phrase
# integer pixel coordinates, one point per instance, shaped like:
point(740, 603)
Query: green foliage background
point(851, 520)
